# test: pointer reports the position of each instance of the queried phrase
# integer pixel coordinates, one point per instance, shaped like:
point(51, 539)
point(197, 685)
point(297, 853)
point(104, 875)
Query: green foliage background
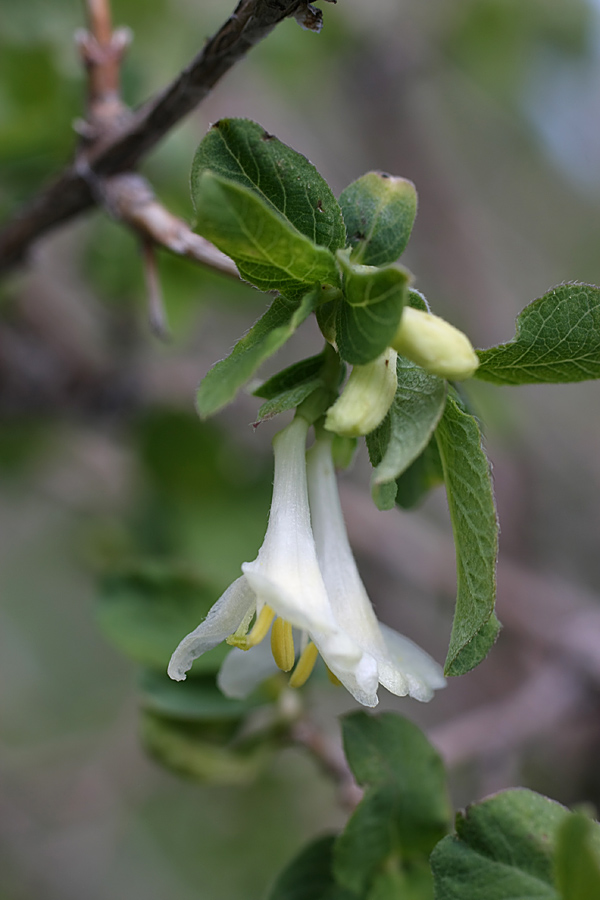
point(106, 478)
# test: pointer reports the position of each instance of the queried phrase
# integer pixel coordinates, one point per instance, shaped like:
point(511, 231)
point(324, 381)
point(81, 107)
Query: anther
point(282, 645)
point(305, 665)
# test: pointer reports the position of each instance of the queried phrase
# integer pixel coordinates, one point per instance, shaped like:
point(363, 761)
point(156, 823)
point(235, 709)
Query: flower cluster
point(304, 588)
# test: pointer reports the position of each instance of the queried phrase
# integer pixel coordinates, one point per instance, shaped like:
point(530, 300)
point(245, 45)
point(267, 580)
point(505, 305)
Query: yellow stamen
point(282, 645)
point(257, 632)
point(306, 664)
point(333, 678)
point(261, 626)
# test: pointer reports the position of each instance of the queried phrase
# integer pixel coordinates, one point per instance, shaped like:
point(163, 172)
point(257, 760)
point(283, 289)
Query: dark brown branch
point(73, 191)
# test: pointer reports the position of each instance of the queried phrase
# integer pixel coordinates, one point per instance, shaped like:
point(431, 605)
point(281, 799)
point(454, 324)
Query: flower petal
point(286, 575)
point(243, 670)
point(347, 595)
point(407, 662)
point(222, 620)
point(356, 670)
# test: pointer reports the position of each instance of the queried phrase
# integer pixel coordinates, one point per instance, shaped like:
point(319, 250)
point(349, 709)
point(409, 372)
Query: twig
point(330, 757)
point(72, 192)
point(130, 199)
point(102, 51)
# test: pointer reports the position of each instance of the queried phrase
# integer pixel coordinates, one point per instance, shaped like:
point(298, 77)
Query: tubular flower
point(434, 344)
point(281, 589)
point(366, 399)
point(403, 668)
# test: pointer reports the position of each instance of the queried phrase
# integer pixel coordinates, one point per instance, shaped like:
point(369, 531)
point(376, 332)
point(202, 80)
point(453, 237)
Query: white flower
point(284, 581)
point(403, 668)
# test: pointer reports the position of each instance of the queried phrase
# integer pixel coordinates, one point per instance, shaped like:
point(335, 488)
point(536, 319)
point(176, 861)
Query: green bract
point(367, 320)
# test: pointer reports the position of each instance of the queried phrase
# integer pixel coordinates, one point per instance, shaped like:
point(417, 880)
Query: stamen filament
point(261, 627)
point(305, 665)
point(282, 645)
point(257, 633)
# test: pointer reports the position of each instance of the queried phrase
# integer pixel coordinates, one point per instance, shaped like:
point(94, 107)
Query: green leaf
point(475, 525)
point(268, 251)
point(557, 340)
point(146, 611)
point(289, 388)
point(242, 151)
point(309, 876)
point(405, 810)
point(294, 375)
point(379, 211)
point(424, 474)
point(503, 850)
point(415, 883)
point(577, 862)
point(223, 381)
point(368, 319)
point(198, 752)
point(407, 429)
point(195, 699)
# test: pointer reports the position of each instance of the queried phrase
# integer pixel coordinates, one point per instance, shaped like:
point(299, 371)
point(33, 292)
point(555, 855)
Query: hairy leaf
point(242, 151)
point(268, 251)
point(368, 319)
point(475, 525)
point(503, 849)
point(405, 809)
point(379, 211)
point(557, 340)
point(226, 377)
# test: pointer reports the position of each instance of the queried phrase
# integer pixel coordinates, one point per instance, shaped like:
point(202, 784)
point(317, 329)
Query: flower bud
point(435, 345)
point(365, 400)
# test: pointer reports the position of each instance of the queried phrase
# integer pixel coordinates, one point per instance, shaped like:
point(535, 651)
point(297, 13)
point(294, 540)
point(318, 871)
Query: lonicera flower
point(403, 668)
point(281, 589)
point(366, 398)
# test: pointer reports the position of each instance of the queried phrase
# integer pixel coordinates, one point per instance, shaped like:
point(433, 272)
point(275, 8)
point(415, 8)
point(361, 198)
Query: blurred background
point(113, 495)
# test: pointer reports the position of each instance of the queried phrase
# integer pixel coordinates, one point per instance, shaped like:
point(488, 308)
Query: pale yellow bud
point(435, 345)
point(365, 400)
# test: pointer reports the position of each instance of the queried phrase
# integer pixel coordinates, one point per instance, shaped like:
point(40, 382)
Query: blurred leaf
point(577, 862)
point(379, 211)
point(268, 251)
point(405, 810)
point(407, 429)
point(309, 876)
point(223, 381)
point(557, 340)
point(369, 317)
point(504, 846)
point(415, 884)
point(195, 699)
point(475, 526)
point(183, 748)
point(145, 612)
point(425, 473)
point(242, 151)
